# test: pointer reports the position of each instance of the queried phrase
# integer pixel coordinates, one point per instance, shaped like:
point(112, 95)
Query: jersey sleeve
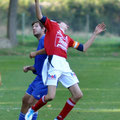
point(72, 43)
point(43, 41)
point(46, 22)
point(75, 44)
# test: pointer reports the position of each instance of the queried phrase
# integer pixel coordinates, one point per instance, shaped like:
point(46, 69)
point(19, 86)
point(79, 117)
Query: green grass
point(98, 72)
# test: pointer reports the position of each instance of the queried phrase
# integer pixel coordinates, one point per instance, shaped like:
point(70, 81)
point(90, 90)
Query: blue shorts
point(37, 89)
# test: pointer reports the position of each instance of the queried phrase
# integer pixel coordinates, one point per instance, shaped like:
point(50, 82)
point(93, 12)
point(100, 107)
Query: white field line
point(82, 103)
point(63, 89)
point(74, 110)
point(104, 110)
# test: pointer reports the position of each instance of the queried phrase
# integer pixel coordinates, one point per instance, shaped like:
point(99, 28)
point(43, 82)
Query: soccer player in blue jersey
point(36, 89)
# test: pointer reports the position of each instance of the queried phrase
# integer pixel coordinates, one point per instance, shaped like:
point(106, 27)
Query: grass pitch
point(98, 72)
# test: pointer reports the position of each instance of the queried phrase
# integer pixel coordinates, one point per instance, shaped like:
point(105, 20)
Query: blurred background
point(81, 15)
point(97, 69)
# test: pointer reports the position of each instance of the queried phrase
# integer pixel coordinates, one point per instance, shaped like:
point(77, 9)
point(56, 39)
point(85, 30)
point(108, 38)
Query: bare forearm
point(31, 68)
point(99, 28)
point(38, 10)
point(40, 52)
point(89, 42)
point(28, 68)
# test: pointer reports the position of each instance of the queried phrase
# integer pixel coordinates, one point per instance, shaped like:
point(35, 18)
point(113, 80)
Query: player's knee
point(50, 97)
point(78, 96)
point(30, 102)
point(24, 101)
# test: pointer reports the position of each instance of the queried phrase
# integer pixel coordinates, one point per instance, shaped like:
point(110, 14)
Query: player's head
point(63, 26)
point(38, 28)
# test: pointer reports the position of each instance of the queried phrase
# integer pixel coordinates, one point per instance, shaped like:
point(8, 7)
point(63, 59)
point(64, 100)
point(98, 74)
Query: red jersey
point(56, 42)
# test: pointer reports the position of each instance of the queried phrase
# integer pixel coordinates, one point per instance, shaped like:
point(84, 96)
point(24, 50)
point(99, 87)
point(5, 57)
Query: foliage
point(73, 12)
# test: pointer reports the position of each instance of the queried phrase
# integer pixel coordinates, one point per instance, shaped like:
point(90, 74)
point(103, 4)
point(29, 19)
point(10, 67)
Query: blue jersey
point(39, 59)
point(37, 89)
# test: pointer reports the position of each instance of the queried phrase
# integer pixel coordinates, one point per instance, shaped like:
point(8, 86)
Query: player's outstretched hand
point(25, 69)
point(100, 28)
point(32, 54)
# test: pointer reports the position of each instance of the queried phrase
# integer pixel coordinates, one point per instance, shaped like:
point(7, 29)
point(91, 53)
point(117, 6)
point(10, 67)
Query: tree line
point(79, 14)
point(76, 13)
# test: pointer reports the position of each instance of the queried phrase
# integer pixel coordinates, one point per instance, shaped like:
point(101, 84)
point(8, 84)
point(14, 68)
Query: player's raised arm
point(38, 10)
point(99, 28)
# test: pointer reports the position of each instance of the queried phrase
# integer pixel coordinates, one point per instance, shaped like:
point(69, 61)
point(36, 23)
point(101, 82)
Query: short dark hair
point(39, 23)
point(42, 26)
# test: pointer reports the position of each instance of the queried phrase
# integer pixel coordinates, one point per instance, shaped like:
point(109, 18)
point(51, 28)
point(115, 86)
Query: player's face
point(63, 26)
point(37, 29)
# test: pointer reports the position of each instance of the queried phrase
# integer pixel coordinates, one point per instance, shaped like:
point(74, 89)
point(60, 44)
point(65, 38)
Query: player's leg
point(70, 81)
point(43, 101)
point(34, 92)
point(39, 90)
point(75, 92)
point(50, 96)
point(76, 95)
point(27, 102)
point(32, 101)
point(51, 83)
point(24, 107)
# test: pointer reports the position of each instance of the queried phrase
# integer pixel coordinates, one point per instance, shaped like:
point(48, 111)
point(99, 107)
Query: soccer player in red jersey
point(56, 44)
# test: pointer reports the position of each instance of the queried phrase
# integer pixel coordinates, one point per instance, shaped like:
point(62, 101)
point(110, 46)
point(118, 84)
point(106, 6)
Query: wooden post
point(0, 79)
point(23, 26)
